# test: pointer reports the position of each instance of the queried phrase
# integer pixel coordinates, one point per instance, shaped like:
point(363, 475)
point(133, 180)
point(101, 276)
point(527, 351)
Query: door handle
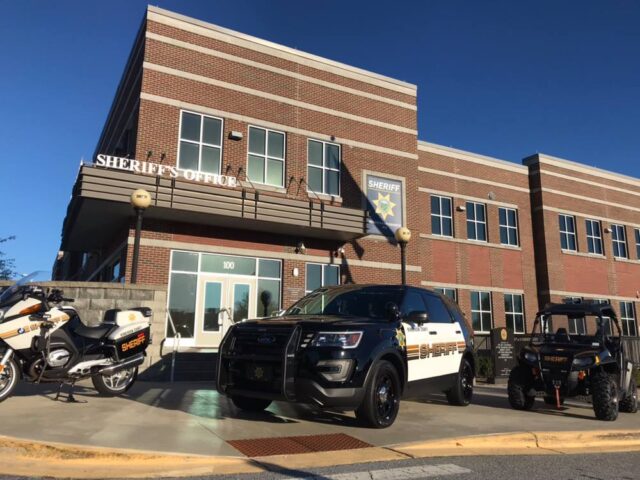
point(433, 333)
point(458, 331)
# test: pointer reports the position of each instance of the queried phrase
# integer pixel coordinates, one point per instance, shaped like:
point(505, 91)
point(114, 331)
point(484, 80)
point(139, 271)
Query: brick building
point(273, 172)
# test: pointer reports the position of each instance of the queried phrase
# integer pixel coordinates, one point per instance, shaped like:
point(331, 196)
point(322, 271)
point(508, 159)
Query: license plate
point(259, 373)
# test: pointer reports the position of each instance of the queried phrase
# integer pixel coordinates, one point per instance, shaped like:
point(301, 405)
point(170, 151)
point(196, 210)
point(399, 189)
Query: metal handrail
point(177, 336)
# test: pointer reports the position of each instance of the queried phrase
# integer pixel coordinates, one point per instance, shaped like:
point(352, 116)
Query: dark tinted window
point(438, 313)
point(412, 303)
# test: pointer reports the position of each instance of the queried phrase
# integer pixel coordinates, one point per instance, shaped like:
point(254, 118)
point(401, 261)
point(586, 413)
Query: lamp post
point(140, 201)
point(403, 235)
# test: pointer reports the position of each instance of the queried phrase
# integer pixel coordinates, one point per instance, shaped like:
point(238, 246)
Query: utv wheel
point(9, 379)
point(630, 402)
point(462, 392)
point(604, 390)
point(520, 382)
point(250, 404)
point(115, 384)
point(381, 402)
point(551, 400)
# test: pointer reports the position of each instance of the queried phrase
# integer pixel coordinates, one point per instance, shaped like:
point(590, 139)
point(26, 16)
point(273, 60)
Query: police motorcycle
point(43, 341)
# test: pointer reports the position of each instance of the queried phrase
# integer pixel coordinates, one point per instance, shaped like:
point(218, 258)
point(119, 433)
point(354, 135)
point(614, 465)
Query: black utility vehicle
point(351, 347)
point(591, 362)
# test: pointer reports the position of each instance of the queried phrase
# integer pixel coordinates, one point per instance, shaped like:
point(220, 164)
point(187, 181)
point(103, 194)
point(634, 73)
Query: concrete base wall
point(92, 299)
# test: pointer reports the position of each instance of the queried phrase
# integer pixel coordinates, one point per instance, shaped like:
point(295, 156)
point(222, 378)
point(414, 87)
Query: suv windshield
point(579, 329)
point(368, 302)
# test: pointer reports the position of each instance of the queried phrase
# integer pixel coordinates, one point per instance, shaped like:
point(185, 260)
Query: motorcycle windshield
point(37, 276)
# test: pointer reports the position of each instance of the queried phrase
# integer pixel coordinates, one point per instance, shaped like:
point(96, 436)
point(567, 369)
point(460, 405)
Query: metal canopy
point(100, 207)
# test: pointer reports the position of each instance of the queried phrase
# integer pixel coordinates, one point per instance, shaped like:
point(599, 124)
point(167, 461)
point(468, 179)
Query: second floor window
point(568, 233)
point(200, 143)
point(619, 241)
point(323, 171)
point(441, 218)
point(476, 221)
point(266, 156)
point(594, 237)
point(319, 275)
point(508, 226)
point(628, 319)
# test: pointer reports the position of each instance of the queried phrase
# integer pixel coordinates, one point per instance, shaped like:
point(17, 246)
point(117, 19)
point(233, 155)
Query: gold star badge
point(384, 206)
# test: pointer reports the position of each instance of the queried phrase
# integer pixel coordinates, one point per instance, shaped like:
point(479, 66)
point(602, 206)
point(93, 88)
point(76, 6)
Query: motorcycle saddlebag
point(132, 344)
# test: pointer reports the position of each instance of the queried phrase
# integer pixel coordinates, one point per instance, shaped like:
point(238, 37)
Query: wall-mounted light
point(461, 208)
point(149, 154)
point(296, 272)
point(607, 230)
point(235, 135)
point(339, 252)
point(300, 248)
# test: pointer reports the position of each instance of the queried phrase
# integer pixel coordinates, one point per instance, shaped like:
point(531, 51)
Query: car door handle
point(433, 333)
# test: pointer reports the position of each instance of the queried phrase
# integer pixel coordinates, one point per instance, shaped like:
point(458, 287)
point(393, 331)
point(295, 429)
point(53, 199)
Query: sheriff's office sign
point(384, 203)
point(149, 168)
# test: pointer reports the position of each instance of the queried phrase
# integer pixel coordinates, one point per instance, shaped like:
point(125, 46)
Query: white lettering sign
point(149, 168)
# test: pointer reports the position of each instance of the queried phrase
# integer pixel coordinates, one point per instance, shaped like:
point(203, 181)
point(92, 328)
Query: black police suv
point(590, 361)
point(351, 347)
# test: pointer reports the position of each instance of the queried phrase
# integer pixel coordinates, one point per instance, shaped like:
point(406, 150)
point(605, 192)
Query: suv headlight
point(337, 339)
point(583, 362)
point(530, 357)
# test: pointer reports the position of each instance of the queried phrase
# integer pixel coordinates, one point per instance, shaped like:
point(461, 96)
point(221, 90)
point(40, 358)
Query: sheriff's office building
point(273, 172)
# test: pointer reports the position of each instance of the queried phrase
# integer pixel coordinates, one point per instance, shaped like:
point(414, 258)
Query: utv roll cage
point(603, 312)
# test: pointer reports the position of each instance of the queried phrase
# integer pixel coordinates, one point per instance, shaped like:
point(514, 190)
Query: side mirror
point(393, 312)
point(418, 317)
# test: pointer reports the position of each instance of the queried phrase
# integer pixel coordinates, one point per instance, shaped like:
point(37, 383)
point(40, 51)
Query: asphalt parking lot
point(193, 418)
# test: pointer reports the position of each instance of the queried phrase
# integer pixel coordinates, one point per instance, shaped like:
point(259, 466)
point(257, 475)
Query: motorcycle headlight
point(531, 357)
point(337, 339)
point(583, 362)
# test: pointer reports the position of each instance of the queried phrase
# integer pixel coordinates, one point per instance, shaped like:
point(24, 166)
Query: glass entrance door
point(222, 301)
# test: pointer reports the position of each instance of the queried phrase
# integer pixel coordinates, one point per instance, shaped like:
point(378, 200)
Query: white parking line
point(422, 471)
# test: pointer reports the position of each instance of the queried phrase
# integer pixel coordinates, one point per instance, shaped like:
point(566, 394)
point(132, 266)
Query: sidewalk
point(193, 420)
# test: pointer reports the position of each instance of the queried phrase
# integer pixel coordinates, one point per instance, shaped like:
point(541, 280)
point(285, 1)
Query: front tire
point(116, 384)
point(604, 396)
point(9, 379)
point(520, 382)
point(462, 391)
point(630, 402)
point(381, 402)
point(250, 404)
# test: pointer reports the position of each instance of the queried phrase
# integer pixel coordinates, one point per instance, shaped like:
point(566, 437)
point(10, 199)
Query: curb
point(34, 459)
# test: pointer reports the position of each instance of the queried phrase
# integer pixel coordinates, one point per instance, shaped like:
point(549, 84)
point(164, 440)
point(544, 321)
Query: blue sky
point(501, 78)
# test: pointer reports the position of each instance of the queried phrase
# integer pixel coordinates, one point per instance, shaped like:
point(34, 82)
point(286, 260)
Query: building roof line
point(276, 46)
point(541, 158)
point(470, 156)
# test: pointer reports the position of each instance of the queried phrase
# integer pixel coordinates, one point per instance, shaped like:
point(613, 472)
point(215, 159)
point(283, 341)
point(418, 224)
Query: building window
point(594, 237)
point(447, 292)
point(266, 156)
point(514, 312)
point(637, 235)
point(476, 221)
point(508, 226)
point(608, 327)
point(577, 325)
point(441, 216)
point(619, 239)
point(628, 319)
point(200, 143)
point(323, 172)
point(481, 317)
point(568, 233)
point(319, 275)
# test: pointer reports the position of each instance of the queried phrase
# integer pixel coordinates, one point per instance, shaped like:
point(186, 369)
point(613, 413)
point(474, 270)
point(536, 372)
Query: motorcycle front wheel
point(8, 379)
point(116, 383)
